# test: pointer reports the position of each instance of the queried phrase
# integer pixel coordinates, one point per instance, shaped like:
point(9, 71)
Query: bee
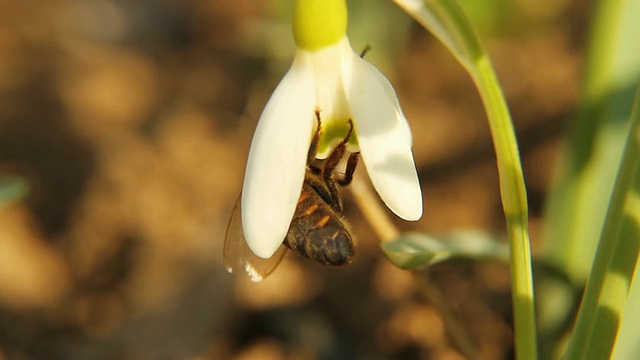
point(318, 231)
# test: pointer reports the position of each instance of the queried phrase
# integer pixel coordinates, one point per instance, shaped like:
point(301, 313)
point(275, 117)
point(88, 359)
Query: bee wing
point(237, 255)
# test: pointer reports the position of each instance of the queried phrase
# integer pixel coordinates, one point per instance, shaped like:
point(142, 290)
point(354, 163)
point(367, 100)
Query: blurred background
point(125, 126)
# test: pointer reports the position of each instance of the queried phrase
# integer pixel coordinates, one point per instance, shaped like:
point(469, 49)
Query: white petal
point(331, 100)
point(327, 65)
point(384, 138)
point(277, 160)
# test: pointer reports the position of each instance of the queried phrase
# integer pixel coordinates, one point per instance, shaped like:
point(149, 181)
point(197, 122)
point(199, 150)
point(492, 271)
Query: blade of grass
point(628, 341)
point(577, 205)
point(447, 22)
point(608, 285)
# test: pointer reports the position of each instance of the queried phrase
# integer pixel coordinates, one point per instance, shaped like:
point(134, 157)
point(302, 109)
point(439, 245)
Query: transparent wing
point(237, 255)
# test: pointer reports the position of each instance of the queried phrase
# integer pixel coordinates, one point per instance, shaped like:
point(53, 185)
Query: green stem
point(449, 24)
point(514, 203)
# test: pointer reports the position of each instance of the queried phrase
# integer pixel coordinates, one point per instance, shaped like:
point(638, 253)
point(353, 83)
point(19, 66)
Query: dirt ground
point(131, 123)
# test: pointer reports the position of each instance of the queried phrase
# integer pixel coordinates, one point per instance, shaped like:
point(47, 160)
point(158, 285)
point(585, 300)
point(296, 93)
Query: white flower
point(343, 86)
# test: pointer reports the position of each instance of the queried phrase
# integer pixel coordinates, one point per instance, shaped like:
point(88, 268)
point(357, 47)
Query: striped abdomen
point(318, 231)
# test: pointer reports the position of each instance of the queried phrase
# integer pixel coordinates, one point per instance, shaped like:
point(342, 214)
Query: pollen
point(311, 209)
point(304, 196)
point(323, 221)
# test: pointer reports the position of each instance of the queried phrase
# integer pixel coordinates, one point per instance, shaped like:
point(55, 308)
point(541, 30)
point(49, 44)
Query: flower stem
point(373, 211)
point(514, 203)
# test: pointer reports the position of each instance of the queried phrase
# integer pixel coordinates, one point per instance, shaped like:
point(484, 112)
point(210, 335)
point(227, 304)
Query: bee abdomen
point(328, 245)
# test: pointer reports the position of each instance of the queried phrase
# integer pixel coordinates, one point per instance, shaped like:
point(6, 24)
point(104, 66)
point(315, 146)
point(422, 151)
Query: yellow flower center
point(319, 23)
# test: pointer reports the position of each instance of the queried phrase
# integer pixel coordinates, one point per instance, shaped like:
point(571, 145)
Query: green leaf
point(417, 251)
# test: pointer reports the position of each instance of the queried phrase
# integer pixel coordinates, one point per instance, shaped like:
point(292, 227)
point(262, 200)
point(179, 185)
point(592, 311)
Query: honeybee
point(318, 231)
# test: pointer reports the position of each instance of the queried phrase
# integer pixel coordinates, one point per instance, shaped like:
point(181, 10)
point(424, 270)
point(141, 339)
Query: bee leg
point(336, 200)
point(330, 164)
point(331, 196)
point(350, 169)
point(313, 148)
point(365, 51)
point(336, 155)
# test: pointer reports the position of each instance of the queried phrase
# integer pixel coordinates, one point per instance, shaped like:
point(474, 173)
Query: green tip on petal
point(332, 133)
point(319, 23)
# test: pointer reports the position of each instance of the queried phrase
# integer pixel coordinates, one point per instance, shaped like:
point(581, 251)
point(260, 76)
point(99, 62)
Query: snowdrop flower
point(329, 76)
